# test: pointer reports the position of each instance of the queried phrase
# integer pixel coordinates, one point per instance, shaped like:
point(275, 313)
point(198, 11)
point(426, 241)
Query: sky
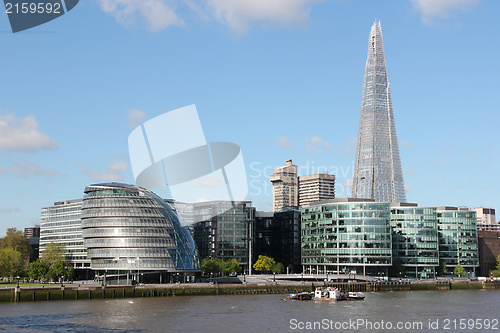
point(282, 79)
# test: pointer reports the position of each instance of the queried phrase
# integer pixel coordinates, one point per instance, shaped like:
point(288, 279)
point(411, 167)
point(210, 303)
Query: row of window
point(76, 222)
point(120, 202)
point(45, 219)
point(126, 222)
point(346, 237)
point(52, 231)
point(111, 212)
point(112, 192)
point(128, 254)
point(129, 242)
point(348, 260)
point(347, 245)
point(141, 264)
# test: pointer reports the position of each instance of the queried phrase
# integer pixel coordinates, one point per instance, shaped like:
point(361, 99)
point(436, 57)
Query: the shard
point(377, 172)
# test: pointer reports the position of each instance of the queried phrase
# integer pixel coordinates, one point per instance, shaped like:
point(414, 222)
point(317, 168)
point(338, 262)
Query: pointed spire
point(378, 173)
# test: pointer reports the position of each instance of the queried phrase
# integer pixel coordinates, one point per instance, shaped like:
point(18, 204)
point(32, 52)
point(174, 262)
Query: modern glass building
point(62, 224)
point(347, 236)
point(458, 240)
point(377, 172)
point(415, 239)
point(224, 230)
point(286, 239)
point(130, 231)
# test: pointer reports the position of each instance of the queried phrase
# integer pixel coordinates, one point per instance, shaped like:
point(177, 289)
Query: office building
point(33, 235)
point(458, 241)
point(415, 239)
point(285, 186)
point(224, 230)
point(377, 173)
point(133, 235)
point(486, 219)
point(263, 237)
point(314, 188)
point(277, 235)
point(347, 236)
point(489, 250)
point(33, 231)
point(286, 239)
point(62, 224)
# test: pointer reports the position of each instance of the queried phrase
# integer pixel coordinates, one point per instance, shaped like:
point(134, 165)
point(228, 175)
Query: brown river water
point(428, 311)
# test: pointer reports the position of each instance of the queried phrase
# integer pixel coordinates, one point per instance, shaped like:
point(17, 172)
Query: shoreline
point(204, 289)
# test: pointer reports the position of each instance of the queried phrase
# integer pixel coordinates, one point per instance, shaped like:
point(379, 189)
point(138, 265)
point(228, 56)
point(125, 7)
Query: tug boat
point(354, 296)
point(303, 296)
point(329, 294)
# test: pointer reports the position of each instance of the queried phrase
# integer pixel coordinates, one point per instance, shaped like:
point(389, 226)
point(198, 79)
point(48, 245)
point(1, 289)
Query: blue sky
point(282, 79)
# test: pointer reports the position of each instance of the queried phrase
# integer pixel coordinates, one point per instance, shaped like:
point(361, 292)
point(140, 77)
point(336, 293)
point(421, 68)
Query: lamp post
point(17, 281)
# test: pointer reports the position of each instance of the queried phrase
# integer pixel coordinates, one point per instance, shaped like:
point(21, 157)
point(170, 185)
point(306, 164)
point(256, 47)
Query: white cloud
point(238, 14)
point(12, 209)
point(135, 117)
point(441, 8)
point(284, 142)
point(349, 147)
point(315, 143)
point(24, 169)
point(157, 14)
point(407, 187)
point(409, 171)
point(113, 173)
point(405, 143)
point(23, 134)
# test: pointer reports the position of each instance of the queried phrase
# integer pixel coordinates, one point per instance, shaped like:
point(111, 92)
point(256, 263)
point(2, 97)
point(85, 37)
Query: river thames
point(446, 311)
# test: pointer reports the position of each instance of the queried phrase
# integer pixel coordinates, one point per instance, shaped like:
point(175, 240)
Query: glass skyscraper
point(377, 173)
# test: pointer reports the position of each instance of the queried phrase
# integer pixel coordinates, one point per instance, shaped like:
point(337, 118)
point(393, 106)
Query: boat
point(354, 296)
point(303, 296)
point(329, 294)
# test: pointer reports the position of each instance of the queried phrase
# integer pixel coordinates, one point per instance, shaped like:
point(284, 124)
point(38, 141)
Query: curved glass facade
point(126, 227)
point(346, 237)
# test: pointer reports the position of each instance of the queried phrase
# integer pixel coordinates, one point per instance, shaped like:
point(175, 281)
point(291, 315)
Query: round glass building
point(134, 235)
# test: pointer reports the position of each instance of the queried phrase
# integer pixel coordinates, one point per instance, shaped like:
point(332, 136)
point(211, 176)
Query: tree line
point(18, 259)
point(217, 267)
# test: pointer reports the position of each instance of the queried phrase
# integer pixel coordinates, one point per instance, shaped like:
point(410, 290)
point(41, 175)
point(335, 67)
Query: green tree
point(211, 266)
point(496, 272)
point(231, 266)
point(38, 269)
point(397, 268)
point(16, 240)
point(278, 268)
point(442, 269)
point(11, 263)
point(264, 263)
point(61, 269)
point(459, 270)
point(52, 254)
